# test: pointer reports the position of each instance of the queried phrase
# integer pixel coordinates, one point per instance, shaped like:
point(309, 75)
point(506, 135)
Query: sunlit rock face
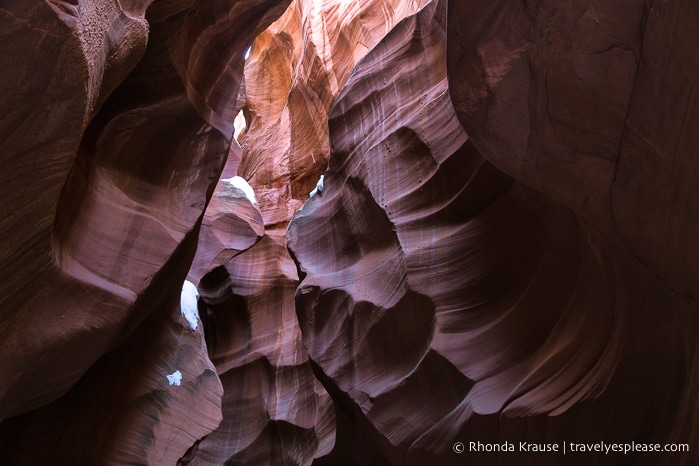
point(295, 72)
point(111, 150)
point(391, 197)
point(232, 224)
point(445, 299)
point(274, 410)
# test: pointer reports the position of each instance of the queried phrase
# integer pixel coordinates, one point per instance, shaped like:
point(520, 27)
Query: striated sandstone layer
point(365, 324)
point(274, 410)
point(48, 99)
point(503, 246)
point(232, 224)
point(296, 70)
point(110, 153)
point(606, 124)
point(445, 300)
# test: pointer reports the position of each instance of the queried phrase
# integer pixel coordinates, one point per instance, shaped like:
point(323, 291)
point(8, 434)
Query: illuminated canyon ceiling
point(349, 232)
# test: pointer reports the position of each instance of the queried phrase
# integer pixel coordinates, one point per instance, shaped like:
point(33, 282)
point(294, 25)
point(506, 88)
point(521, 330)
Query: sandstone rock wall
point(274, 409)
point(109, 162)
point(447, 296)
point(605, 105)
point(502, 247)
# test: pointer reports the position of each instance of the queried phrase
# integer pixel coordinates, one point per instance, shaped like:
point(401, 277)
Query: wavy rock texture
point(275, 411)
point(109, 169)
point(606, 118)
point(232, 224)
point(444, 301)
point(44, 116)
point(504, 247)
point(296, 70)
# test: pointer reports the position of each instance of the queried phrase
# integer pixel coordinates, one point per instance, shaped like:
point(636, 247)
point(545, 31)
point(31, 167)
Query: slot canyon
point(349, 232)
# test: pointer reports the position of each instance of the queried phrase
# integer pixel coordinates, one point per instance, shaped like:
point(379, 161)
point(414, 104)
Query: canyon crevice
point(321, 232)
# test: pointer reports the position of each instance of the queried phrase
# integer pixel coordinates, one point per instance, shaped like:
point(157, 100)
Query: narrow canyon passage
point(330, 232)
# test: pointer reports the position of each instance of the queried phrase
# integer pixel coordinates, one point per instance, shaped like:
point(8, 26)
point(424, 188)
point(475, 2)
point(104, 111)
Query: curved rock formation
point(296, 70)
point(110, 169)
point(146, 402)
point(86, 54)
point(444, 301)
point(604, 114)
point(606, 111)
point(232, 224)
point(274, 410)
point(365, 323)
point(494, 235)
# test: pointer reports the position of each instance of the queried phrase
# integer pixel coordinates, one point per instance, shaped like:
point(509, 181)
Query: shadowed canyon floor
point(322, 232)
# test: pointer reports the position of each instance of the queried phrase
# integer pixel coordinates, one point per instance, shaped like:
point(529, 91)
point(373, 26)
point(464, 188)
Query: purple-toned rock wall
point(320, 232)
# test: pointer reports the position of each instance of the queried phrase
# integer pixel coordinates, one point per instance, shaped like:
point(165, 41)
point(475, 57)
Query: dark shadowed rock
point(109, 166)
point(434, 254)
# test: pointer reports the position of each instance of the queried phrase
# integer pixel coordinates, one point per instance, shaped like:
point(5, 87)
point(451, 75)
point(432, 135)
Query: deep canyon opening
point(402, 227)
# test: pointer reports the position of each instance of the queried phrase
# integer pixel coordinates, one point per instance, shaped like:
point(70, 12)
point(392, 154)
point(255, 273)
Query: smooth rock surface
point(445, 301)
point(494, 234)
point(147, 402)
point(109, 163)
point(274, 409)
point(48, 98)
point(231, 225)
point(606, 118)
point(592, 104)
